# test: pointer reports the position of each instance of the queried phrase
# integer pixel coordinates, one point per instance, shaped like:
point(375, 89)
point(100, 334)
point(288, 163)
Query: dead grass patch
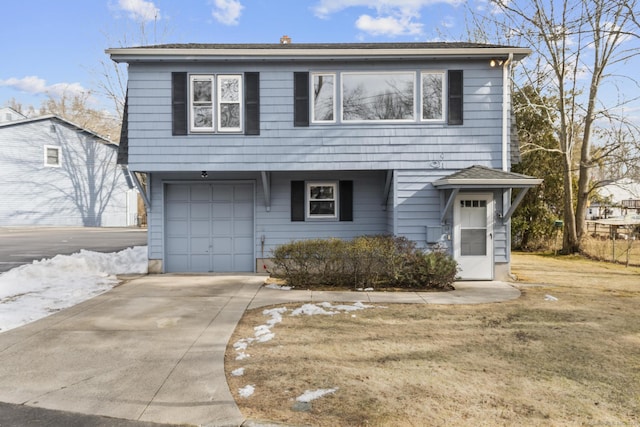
point(532, 362)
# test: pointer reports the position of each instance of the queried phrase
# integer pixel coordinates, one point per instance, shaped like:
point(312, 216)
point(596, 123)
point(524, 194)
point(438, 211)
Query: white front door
point(473, 235)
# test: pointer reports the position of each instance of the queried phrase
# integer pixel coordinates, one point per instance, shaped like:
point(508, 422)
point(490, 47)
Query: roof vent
point(285, 40)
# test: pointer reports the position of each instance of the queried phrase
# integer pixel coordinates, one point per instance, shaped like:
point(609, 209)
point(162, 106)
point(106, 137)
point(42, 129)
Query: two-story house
point(247, 146)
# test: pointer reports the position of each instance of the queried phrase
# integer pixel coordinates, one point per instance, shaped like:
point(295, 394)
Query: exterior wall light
point(204, 174)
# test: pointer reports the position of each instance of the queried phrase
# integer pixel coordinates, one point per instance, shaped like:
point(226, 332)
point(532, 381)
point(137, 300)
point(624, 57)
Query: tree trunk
point(570, 237)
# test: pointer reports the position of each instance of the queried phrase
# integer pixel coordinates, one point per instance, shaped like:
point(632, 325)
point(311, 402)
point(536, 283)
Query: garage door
point(209, 227)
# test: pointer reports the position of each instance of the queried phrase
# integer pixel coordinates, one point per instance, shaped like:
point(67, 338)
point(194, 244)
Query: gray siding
point(88, 189)
point(275, 225)
point(281, 147)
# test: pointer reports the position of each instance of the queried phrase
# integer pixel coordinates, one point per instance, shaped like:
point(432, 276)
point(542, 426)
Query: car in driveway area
point(23, 245)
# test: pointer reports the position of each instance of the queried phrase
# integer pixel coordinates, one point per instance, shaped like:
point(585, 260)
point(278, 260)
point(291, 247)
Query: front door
point(473, 235)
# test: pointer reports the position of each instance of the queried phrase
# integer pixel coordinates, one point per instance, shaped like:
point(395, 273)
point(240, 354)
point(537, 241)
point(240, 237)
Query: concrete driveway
point(22, 245)
point(153, 348)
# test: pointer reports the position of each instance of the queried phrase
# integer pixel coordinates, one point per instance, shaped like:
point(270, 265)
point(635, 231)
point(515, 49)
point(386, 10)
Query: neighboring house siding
point(283, 147)
point(87, 189)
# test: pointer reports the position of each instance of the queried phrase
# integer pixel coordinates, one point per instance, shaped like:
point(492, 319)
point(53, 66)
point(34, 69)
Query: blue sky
point(54, 46)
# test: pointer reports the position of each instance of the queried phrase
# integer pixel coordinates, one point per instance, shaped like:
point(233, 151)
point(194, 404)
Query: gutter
point(506, 104)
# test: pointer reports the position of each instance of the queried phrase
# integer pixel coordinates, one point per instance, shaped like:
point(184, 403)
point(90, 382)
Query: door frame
point(488, 268)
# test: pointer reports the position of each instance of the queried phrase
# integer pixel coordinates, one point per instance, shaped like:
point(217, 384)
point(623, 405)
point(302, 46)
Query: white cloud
point(38, 86)
point(393, 17)
point(227, 11)
point(388, 25)
point(140, 10)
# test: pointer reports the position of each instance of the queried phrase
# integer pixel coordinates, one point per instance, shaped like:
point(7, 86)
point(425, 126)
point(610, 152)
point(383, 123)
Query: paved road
point(22, 245)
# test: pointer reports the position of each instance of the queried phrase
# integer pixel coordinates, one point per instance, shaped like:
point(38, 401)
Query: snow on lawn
point(310, 395)
point(33, 291)
point(263, 333)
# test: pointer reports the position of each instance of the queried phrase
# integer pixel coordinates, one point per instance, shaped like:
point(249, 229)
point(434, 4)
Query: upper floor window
point(433, 92)
point(324, 94)
point(51, 156)
point(215, 110)
point(379, 96)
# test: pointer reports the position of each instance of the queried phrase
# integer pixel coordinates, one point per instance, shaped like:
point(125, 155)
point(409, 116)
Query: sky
point(57, 46)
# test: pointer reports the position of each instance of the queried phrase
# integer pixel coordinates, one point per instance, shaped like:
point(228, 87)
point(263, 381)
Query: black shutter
point(455, 97)
point(346, 200)
point(301, 99)
point(179, 103)
point(123, 146)
point(297, 200)
point(252, 103)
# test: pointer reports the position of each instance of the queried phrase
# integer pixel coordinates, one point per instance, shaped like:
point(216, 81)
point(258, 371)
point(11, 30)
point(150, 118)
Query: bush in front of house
point(378, 261)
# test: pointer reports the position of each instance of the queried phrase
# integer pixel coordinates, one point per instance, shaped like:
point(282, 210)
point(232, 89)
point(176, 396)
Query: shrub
point(366, 261)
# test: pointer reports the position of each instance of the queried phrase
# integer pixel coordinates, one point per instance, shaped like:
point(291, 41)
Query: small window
point(324, 94)
point(229, 105)
point(51, 156)
point(322, 200)
point(433, 96)
point(201, 103)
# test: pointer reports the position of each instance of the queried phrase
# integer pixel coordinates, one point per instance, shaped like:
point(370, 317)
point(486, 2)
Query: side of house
point(54, 173)
point(250, 146)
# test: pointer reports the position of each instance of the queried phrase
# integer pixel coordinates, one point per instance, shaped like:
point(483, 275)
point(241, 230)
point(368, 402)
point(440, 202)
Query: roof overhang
point(267, 52)
point(480, 177)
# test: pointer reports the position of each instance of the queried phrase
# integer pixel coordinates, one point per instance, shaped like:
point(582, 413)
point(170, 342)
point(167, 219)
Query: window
point(215, 110)
point(51, 156)
point(324, 94)
point(229, 106)
point(201, 89)
point(432, 96)
point(382, 96)
point(322, 200)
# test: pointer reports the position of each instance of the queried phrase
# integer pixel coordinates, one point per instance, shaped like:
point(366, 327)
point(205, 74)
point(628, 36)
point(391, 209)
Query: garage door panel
point(223, 263)
point(222, 229)
point(223, 245)
point(200, 227)
point(200, 263)
point(244, 193)
point(243, 228)
point(199, 245)
point(243, 245)
point(201, 193)
point(177, 228)
point(177, 211)
point(222, 193)
point(177, 193)
point(178, 263)
point(177, 245)
point(200, 211)
point(243, 210)
point(244, 262)
point(222, 210)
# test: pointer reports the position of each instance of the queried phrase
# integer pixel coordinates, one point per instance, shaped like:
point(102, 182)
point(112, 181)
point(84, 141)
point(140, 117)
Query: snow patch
point(327, 308)
point(247, 391)
point(310, 395)
point(237, 372)
point(33, 291)
point(278, 287)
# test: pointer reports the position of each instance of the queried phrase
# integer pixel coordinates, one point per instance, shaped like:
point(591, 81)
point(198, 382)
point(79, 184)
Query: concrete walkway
point(153, 349)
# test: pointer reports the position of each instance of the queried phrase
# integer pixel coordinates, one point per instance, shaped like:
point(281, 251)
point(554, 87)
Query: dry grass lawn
point(533, 362)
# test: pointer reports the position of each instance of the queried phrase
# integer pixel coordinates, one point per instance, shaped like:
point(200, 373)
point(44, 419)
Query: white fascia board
point(195, 54)
point(497, 183)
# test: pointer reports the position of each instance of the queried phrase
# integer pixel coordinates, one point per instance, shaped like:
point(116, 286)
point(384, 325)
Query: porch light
point(204, 174)
point(496, 62)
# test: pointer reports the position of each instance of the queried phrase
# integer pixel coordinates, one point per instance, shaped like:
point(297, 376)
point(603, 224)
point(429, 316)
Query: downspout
point(506, 101)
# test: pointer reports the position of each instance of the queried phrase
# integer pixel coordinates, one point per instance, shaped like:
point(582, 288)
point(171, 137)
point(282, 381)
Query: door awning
point(483, 178)
point(476, 177)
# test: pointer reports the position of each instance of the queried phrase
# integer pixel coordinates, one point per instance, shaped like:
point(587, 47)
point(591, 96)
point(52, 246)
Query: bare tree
point(579, 47)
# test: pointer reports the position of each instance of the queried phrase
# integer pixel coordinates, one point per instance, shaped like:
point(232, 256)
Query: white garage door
point(209, 227)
